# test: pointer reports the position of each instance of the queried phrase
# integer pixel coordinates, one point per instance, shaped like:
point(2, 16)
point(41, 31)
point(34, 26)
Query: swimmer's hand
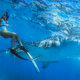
point(4, 25)
point(7, 25)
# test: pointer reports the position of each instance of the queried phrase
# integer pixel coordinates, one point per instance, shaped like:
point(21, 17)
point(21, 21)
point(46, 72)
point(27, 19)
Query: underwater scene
point(39, 40)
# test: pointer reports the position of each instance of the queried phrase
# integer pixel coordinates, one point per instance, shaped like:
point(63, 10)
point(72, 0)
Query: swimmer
point(7, 34)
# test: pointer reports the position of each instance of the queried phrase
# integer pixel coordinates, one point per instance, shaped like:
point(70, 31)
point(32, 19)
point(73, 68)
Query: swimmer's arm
point(7, 25)
point(4, 25)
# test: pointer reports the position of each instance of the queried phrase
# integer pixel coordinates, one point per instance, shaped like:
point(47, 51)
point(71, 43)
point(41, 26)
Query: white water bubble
point(57, 43)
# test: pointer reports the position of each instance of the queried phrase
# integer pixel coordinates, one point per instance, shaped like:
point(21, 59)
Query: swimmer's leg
point(12, 42)
point(7, 34)
point(18, 40)
point(15, 36)
point(20, 43)
point(12, 46)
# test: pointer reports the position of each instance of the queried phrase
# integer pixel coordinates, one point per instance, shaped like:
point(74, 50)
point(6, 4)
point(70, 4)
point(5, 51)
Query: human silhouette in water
point(7, 34)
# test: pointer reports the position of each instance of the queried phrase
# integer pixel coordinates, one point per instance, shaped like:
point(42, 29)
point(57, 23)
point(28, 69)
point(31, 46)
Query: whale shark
point(53, 54)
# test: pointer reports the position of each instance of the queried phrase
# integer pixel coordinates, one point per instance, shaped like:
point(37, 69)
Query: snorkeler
point(7, 34)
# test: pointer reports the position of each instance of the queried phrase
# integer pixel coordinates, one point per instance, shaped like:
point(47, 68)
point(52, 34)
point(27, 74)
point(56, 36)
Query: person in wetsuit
point(7, 34)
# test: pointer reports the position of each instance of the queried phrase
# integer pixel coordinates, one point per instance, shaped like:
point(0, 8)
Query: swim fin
point(14, 52)
point(31, 58)
point(22, 48)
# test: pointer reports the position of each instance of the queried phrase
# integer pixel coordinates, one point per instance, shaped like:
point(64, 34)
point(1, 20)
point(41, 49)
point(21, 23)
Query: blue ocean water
point(53, 24)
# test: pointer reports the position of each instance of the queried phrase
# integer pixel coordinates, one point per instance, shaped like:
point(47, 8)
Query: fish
point(53, 54)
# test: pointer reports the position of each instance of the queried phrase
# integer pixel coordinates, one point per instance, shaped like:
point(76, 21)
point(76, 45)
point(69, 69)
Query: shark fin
point(45, 65)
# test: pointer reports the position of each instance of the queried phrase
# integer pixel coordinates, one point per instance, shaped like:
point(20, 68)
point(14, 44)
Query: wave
point(60, 19)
